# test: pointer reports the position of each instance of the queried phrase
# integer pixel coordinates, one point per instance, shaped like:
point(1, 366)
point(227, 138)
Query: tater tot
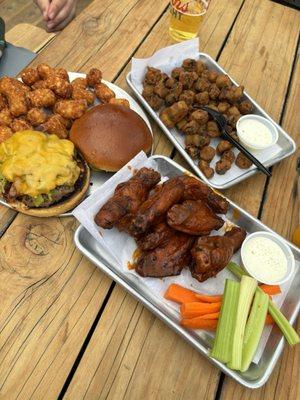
point(36, 116)
point(79, 82)
point(30, 76)
point(20, 124)
point(62, 73)
point(103, 92)
point(55, 126)
point(39, 85)
point(120, 102)
point(80, 93)
point(5, 117)
point(93, 77)
point(5, 133)
point(71, 109)
point(44, 71)
point(59, 86)
point(3, 102)
point(15, 93)
point(42, 98)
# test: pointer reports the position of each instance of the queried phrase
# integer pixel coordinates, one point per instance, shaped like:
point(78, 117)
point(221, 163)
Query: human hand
point(57, 13)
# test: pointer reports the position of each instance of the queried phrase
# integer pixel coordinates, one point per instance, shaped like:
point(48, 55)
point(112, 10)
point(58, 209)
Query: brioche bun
point(110, 135)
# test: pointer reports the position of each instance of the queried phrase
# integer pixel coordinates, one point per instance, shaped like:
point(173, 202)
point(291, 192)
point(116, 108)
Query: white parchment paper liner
point(120, 246)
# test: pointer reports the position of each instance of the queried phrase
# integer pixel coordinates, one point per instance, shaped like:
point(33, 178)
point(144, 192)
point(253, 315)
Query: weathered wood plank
point(281, 213)
point(29, 36)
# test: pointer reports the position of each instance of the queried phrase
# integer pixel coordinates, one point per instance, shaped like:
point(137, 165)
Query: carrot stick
point(269, 320)
point(271, 289)
point(195, 309)
point(179, 294)
point(208, 299)
point(199, 323)
point(210, 316)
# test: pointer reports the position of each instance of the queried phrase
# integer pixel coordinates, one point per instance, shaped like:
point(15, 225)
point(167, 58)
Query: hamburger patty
point(45, 200)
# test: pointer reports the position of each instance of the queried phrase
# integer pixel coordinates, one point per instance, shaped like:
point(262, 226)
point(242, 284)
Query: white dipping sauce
point(265, 259)
point(255, 132)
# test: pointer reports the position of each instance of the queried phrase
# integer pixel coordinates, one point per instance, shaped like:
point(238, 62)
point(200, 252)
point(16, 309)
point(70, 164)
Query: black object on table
point(12, 58)
point(289, 3)
point(222, 122)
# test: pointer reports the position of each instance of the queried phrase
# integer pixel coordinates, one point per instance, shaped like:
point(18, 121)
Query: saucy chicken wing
point(193, 217)
point(167, 259)
point(212, 253)
point(151, 211)
point(127, 198)
point(157, 236)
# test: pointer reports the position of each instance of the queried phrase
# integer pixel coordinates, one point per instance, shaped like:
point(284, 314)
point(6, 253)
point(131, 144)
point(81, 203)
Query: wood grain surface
point(65, 329)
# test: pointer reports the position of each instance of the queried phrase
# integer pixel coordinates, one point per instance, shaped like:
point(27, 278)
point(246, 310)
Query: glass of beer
point(185, 18)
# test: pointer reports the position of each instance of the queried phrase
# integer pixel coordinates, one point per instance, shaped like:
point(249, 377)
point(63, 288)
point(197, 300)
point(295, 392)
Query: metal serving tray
point(258, 374)
point(285, 142)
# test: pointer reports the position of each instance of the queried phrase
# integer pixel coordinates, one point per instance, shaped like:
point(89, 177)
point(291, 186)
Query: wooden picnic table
point(68, 331)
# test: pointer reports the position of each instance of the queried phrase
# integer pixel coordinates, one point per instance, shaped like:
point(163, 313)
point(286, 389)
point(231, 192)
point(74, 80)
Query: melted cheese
point(37, 163)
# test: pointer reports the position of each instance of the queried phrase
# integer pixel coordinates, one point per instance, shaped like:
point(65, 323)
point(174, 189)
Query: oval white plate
point(98, 178)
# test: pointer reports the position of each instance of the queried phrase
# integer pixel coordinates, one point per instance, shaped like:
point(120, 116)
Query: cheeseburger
point(110, 135)
point(40, 174)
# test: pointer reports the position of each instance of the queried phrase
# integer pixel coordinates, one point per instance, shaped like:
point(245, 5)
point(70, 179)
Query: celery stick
point(247, 290)
point(221, 348)
point(254, 327)
point(286, 328)
point(236, 269)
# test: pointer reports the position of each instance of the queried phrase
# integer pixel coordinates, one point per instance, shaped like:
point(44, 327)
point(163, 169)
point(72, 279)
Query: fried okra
point(228, 155)
point(190, 128)
point(193, 151)
point(202, 85)
point(243, 161)
point(153, 76)
point(206, 169)
point(187, 96)
point(171, 115)
point(207, 153)
point(222, 166)
point(223, 146)
point(245, 107)
point(214, 91)
point(200, 116)
point(187, 79)
point(201, 99)
point(213, 129)
point(199, 141)
point(223, 107)
point(189, 64)
point(161, 90)
point(176, 72)
point(223, 81)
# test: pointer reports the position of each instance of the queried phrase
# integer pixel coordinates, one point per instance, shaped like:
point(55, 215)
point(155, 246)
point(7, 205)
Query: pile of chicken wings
point(171, 223)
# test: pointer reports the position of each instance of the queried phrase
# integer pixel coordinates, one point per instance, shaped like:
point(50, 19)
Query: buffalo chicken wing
point(194, 217)
point(212, 253)
point(127, 198)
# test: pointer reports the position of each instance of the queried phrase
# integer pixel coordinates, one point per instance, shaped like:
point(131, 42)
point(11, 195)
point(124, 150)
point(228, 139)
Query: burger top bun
point(110, 135)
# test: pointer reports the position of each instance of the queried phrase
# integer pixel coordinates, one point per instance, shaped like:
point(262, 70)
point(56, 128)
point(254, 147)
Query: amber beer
point(185, 18)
